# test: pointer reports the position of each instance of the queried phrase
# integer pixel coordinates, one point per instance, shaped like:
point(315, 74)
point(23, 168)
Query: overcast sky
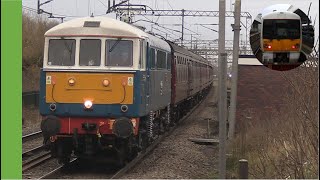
point(81, 8)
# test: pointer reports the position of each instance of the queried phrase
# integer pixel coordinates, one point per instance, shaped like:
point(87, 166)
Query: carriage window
point(61, 52)
point(119, 53)
point(153, 58)
point(161, 60)
point(168, 61)
point(90, 52)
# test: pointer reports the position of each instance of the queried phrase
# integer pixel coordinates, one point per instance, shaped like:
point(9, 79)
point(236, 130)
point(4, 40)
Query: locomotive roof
point(104, 27)
point(281, 15)
point(101, 26)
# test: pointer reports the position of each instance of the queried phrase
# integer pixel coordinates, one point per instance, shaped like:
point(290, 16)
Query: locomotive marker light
point(71, 82)
point(124, 108)
point(88, 104)
point(53, 107)
point(106, 82)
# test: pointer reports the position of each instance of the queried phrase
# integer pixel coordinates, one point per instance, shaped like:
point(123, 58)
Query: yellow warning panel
point(100, 88)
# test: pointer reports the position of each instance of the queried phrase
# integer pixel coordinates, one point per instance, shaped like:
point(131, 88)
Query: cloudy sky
point(79, 8)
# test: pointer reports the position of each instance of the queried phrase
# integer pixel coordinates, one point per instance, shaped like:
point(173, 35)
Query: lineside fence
point(30, 98)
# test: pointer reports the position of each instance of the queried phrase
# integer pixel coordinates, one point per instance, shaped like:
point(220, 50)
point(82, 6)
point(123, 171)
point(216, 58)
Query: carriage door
point(189, 78)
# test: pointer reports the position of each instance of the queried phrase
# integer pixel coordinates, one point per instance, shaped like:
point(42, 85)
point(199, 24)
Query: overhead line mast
point(144, 10)
point(41, 11)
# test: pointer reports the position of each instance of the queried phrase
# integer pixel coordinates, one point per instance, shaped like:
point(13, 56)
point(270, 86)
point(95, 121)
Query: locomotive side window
point(153, 58)
point(90, 52)
point(168, 61)
point(119, 53)
point(161, 60)
point(62, 52)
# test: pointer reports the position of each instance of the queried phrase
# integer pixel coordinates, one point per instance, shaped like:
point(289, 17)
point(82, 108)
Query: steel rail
point(31, 136)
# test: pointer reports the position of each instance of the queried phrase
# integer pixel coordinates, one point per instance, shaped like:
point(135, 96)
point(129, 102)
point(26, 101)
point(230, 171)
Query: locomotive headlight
point(267, 46)
point(71, 81)
point(106, 82)
point(88, 104)
point(295, 46)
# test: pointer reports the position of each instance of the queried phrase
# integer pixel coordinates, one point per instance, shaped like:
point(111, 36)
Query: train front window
point(61, 52)
point(90, 52)
point(281, 29)
point(119, 53)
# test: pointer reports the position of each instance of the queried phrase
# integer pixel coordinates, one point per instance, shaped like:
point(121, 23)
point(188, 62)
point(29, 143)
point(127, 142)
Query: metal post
point(191, 42)
point(234, 74)
point(243, 169)
point(38, 7)
point(246, 34)
point(222, 90)
point(182, 26)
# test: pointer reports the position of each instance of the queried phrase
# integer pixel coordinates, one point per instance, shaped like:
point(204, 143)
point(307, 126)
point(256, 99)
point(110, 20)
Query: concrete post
point(222, 108)
point(234, 74)
point(243, 169)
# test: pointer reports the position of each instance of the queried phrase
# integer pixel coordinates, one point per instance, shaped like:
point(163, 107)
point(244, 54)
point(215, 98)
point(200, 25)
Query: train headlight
point(106, 82)
point(71, 81)
point(88, 104)
point(267, 46)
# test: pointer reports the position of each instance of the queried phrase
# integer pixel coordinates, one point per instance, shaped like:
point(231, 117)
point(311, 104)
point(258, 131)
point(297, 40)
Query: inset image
point(281, 37)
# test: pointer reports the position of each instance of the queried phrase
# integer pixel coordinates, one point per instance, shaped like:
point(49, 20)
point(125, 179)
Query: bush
point(284, 144)
point(33, 28)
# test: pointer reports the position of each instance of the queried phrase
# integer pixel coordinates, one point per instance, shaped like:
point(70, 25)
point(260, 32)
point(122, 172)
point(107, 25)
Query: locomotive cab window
point(90, 52)
point(61, 52)
point(281, 29)
point(119, 53)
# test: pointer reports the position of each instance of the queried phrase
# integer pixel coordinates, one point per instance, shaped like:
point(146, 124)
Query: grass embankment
point(283, 144)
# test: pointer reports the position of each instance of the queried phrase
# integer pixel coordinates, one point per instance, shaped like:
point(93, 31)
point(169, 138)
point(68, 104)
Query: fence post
point(243, 169)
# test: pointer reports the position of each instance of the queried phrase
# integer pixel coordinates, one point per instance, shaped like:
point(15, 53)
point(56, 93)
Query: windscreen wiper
point(115, 44)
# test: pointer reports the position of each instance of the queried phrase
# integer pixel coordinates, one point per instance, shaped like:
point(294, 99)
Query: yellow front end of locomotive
point(281, 45)
point(100, 88)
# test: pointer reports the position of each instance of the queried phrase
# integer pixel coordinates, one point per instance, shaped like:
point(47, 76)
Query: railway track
point(32, 136)
point(56, 172)
point(32, 152)
point(36, 161)
point(52, 174)
point(29, 157)
point(140, 157)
